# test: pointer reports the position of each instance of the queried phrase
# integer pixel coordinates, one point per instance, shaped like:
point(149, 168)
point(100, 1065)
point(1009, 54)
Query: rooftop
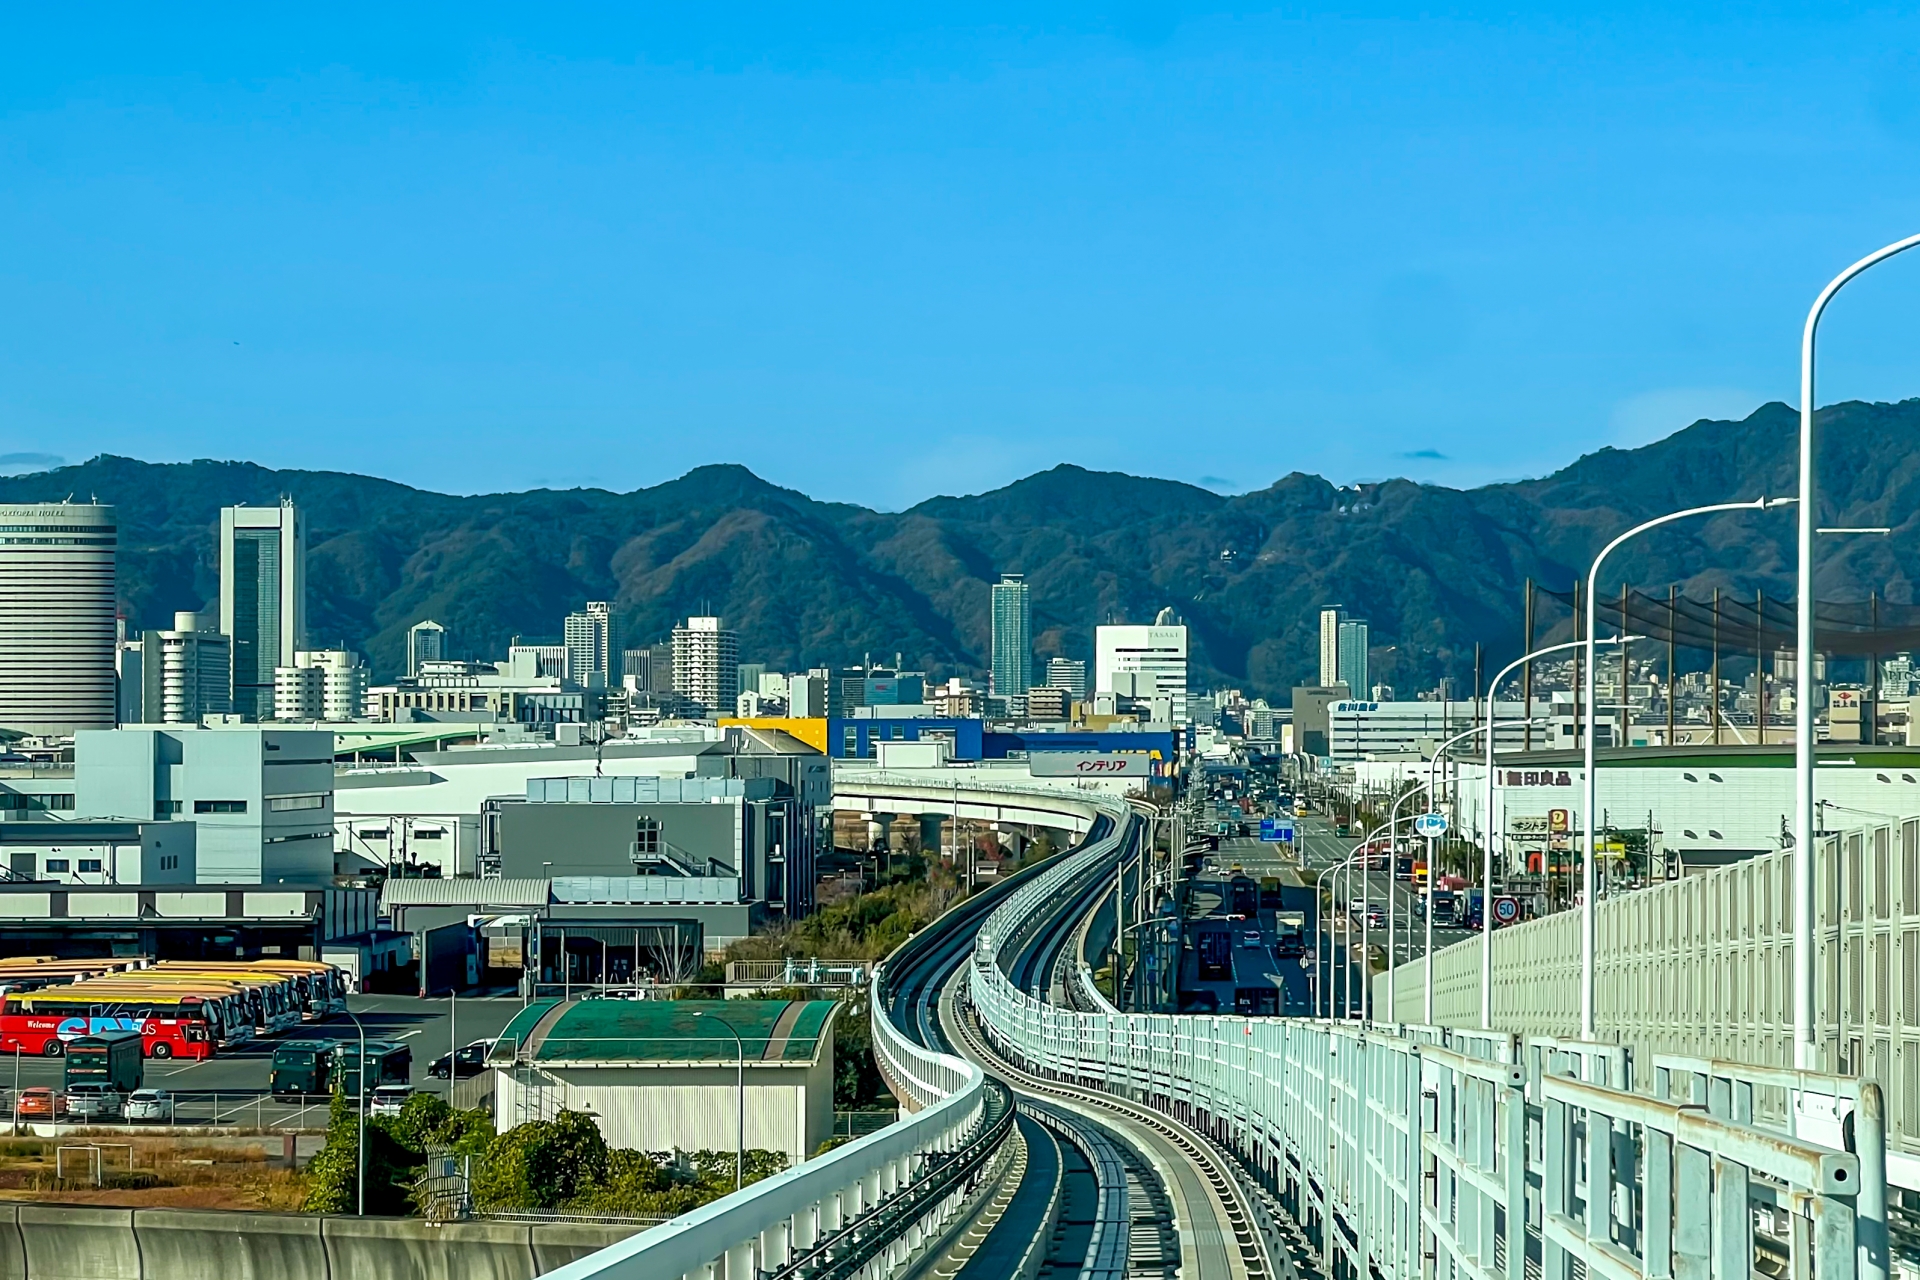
point(687, 1031)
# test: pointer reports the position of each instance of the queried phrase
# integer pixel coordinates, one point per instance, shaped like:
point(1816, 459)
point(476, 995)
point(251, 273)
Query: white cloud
point(1655, 415)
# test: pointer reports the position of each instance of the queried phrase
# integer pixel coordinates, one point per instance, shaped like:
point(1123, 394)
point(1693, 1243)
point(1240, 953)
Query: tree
point(542, 1163)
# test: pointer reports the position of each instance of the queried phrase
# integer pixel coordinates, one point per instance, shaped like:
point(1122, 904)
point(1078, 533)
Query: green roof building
point(663, 1074)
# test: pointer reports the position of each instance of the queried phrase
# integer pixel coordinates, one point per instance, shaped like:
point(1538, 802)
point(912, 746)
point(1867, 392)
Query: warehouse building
point(659, 1075)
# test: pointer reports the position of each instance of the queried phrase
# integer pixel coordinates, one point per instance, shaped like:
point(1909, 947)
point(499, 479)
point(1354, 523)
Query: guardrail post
point(1870, 1203)
point(1656, 1234)
point(1732, 1221)
point(739, 1259)
point(1599, 1178)
point(1514, 1124)
point(1556, 1184)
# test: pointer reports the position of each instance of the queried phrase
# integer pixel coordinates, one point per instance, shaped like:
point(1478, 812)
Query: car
point(1376, 918)
point(1250, 938)
point(94, 1100)
point(149, 1105)
point(388, 1099)
point(40, 1102)
point(469, 1060)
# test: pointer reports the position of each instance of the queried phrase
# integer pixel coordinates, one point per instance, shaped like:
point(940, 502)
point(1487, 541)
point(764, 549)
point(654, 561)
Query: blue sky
point(878, 256)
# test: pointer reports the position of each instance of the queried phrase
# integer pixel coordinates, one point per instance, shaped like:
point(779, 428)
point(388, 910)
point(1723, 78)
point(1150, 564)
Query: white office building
point(1330, 646)
point(1069, 674)
point(57, 631)
point(263, 597)
point(706, 666)
point(322, 684)
point(261, 800)
point(186, 674)
point(594, 648)
point(1363, 730)
point(542, 661)
point(426, 642)
point(1143, 663)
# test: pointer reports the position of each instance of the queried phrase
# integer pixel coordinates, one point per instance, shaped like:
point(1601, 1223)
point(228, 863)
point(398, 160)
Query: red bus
point(171, 1023)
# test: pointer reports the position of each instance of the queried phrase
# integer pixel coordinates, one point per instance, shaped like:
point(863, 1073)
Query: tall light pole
point(1486, 826)
point(360, 1132)
point(1587, 880)
point(1804, 1048)
point(740, 1087)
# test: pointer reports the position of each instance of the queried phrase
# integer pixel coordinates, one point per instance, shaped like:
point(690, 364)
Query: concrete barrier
point(429, 1251)
point(82, 1242)
point(178, 1244)
point(79, 1242)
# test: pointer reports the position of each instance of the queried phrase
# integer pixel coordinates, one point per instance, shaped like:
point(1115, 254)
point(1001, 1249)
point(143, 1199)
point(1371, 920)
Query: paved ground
point(231, 1088)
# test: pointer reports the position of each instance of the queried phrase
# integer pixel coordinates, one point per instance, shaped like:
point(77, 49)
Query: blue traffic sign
point(1431, 824)
point(1276, 831)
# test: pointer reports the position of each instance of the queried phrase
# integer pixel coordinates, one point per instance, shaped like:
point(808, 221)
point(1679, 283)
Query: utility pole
point(1526, 696)
point(1714, 700)
point(1673, 625)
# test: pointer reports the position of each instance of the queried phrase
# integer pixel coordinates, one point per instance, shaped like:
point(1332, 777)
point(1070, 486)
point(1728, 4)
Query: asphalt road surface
point(230, 1088)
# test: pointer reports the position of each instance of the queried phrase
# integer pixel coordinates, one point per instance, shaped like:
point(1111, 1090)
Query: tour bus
point(173, 1023)
point(318, 991)
point(30, 973)
point(257, 1002)
point(276, 1003)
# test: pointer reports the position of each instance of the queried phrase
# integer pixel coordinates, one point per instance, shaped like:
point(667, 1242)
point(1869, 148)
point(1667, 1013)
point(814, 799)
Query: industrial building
point(227, 922)
point(100, 853)
point(660, 1075)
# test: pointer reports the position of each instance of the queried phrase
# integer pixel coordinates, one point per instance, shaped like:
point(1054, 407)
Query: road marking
point(404, 1034)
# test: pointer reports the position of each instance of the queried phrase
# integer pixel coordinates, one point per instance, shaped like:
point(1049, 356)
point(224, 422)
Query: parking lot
point(230, 1088)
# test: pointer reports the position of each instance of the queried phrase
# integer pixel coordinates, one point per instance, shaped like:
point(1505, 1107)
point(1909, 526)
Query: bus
point(274, 999)
point(171, 1023)
point(238, 1005)
point(302, 1068)
point(322, 988)
point(388, 1062)
point(30, 973)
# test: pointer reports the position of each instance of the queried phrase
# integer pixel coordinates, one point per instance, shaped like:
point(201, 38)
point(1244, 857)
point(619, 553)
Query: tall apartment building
point(1012, 636)
point(1352, 669)
point(426, 642)
point(594, 649)
point(57, 617)
point(1069, 674)
point(1330, 645)
point(263, 597)
point(186, 673)
point(322, 684)
point(1143, 662)
point(706, 667)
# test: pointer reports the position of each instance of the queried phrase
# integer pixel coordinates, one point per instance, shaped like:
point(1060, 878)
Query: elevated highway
point(1278, 1146)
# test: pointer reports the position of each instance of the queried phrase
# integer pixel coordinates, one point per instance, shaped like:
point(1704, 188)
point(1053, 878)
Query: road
point(231, 1087)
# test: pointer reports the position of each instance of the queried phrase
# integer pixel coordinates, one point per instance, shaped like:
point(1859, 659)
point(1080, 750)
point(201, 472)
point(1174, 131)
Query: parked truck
point(112, 1059)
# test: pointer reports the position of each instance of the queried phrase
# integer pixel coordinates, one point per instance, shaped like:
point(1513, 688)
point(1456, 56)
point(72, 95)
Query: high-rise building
point(1012, 636)
point(594, 649)
point(1352, 657)
point(1143, 662)
point(1069, 674)
point(263, 597)
point(57, 617)
point(426, 642)
point(706, 667)
point(322, 684)
point(186, 673)
point(1330, 645)
point(807, 694)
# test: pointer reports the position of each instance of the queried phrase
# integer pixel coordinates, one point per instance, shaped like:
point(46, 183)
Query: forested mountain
point(811, 583)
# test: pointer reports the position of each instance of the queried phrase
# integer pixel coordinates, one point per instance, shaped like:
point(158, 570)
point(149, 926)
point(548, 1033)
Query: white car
point(149, 1105)
point(93, 1101)
point(388, 1099)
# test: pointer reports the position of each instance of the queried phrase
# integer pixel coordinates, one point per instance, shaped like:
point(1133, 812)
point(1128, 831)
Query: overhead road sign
point(1276, 831)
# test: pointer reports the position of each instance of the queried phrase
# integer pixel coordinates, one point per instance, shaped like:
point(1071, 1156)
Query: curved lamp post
point(740, 1087)
point(1587, 882)
point(1803, 1039)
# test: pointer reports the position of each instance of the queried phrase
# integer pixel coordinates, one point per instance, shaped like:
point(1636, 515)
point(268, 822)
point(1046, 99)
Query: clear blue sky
point(878, 257)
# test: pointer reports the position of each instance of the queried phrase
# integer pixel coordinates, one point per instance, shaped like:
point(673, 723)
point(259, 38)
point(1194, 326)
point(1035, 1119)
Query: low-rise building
point(659, 1075)
point(101, 853)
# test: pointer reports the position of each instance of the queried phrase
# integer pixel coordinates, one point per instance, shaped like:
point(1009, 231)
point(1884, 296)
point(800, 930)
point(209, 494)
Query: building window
point(428, 833)
point(646, 837)
point(219, 806)
point(56, 864)
point(89, 864)
point(165, 808)
point(285, 804)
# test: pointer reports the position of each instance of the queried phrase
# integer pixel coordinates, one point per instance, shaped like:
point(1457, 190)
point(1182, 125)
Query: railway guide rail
point(1401, 1151)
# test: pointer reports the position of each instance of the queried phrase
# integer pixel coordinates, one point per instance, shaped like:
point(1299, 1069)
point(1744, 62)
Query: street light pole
point(1486, 828)
point(740, 1087)
point(360, 1133)
point(1586, 695)
point(1804, 1047)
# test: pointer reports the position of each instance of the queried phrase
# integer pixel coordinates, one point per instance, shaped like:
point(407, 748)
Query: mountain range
point(1434, 570)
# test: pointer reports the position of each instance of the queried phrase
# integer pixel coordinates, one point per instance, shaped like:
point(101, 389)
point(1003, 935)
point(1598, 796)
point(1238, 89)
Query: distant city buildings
point(1069, 674)
point(1012, 668)
point(1353, 669)
point(57, 614)
point(1143, 663)
point(263, 598)
point(1330, 646)
point(186, 674)
point(426, 642)
point(706, 662)
point(323, 684)
point(594, 648)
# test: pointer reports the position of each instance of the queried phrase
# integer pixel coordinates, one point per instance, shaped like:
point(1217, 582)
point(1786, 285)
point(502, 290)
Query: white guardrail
point(1476, 1155)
